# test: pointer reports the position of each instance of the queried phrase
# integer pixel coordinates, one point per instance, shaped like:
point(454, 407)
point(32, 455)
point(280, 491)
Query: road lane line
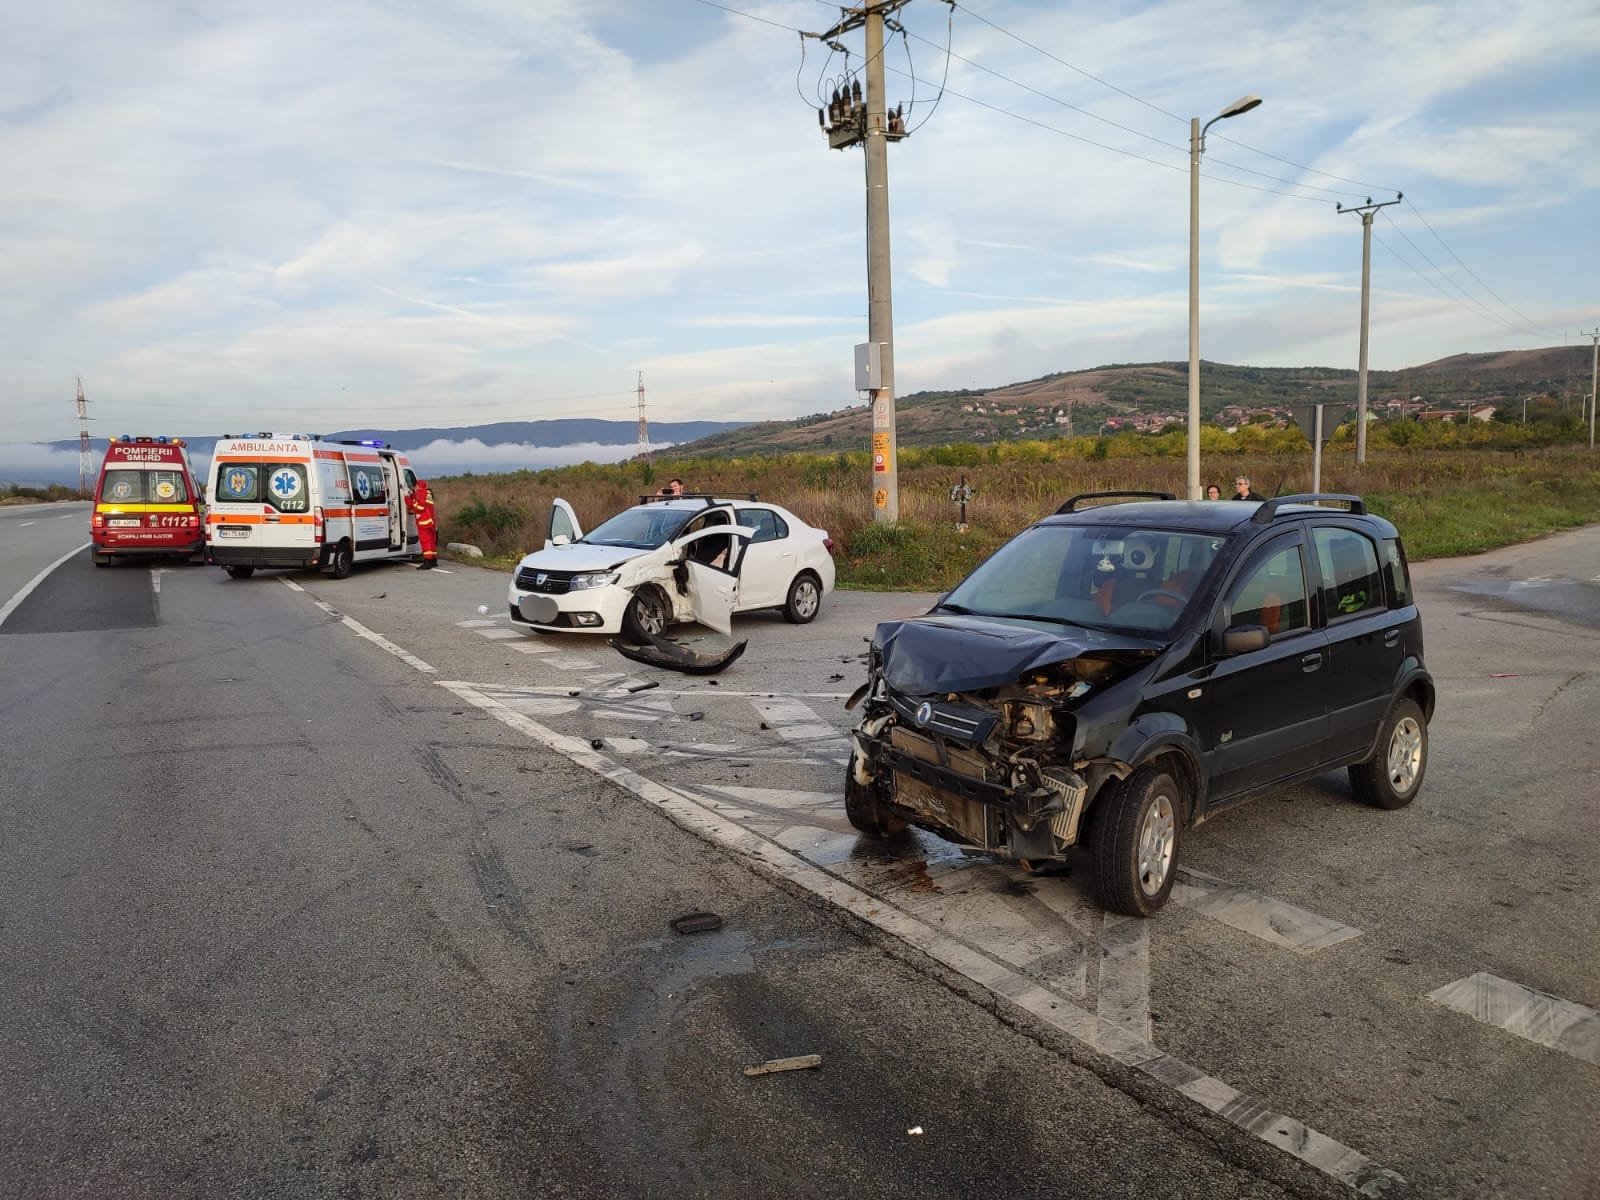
point(1275, 921)
point(1528, 1013)
point(15, 602)
point(1049, 1006)
point(360, 630)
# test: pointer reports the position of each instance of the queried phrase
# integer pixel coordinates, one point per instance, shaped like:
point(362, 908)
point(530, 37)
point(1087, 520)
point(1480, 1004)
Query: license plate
point(233, 531)
point(123, 522)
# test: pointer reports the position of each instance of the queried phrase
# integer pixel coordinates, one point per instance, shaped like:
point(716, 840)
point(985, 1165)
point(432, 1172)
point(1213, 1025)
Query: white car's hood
point(578, 556)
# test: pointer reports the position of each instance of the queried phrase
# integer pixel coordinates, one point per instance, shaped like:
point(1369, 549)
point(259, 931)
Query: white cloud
point(377, 216)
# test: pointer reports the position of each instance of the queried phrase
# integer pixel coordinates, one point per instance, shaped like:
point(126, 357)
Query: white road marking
point(796, 722)
point(23, 524)
point(15, 602)
point(477, 624)
point(1048, 1005)
point(1537, 1016)
point(1123, 996)
point(360, 630)
point(500, 635)
point(155, 580)
point(533, 648)
point(570, 662)
point(1271, 920)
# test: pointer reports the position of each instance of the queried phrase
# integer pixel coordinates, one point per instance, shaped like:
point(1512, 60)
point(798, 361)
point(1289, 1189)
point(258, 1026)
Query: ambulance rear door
point(395, 485)
point(260, 504)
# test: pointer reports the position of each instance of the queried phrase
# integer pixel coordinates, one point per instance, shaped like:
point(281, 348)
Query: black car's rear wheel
point(865, 807)
point(1134, 841)
point(240, 572)
point(1392, 777)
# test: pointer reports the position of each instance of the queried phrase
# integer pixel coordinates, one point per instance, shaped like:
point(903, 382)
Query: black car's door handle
point(1310, 663)
point(1391, 638)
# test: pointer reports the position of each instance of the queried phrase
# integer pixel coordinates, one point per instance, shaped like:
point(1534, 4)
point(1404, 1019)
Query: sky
point(292, 215)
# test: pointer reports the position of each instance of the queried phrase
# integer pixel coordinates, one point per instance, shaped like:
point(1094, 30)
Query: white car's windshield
point(642, 528)
point(1109, 577)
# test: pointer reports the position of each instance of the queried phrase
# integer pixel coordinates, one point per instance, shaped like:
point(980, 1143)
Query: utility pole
point(1594, 377)
point(1365, 210)
point(852, 123)
point(644, 426)
point(84, 455)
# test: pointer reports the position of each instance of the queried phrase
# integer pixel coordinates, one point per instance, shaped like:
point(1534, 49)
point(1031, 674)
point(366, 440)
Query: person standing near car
point(1243, 491)
point(420, 502)
point(1213, 492)
point(674, 487)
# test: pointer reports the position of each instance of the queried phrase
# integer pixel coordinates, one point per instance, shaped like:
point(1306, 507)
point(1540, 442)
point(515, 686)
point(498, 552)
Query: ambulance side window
point(285, 487)
point(238, 482)
point(411, 479)
point(366, 483)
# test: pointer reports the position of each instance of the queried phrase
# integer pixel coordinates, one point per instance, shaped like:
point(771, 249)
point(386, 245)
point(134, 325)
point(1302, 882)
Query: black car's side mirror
point(1241, 639)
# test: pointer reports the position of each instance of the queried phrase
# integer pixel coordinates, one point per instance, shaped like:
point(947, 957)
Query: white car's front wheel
point(646, 615)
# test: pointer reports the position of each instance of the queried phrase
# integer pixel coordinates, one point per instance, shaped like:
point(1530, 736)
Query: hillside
point(1142, 394)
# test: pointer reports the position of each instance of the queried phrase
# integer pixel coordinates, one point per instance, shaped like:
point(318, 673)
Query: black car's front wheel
point(1134, 840)
point(1392, 776)
point(865, 807)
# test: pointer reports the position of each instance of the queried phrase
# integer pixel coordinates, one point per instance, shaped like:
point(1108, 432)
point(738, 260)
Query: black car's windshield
point(1117, 577)
point(642, 528)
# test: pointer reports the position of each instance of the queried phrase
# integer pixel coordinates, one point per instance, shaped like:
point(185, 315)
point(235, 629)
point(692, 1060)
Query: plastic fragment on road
point(800, 1062)
point(660, 652)
point(915, 1131)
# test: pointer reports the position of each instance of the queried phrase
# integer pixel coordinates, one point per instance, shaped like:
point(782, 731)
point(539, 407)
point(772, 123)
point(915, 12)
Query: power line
point(1474, 301)
point(1469, 270)
point(1453, 299)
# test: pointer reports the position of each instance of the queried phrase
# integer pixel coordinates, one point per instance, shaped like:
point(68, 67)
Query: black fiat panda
point(1132, 664)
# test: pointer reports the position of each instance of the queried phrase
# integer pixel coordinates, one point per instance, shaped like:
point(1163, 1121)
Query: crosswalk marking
point(1274, 921)
point(1123, 993)
point(1526, 1012)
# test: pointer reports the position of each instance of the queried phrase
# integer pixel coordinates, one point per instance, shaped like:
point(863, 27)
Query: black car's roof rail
point(1269, 508)
point(1072, 504)
point(656, 498)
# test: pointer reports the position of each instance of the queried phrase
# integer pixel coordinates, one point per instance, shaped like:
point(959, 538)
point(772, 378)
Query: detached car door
point(1267, 716)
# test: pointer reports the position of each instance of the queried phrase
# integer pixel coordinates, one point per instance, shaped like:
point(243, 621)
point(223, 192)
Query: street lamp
point(1197, 147)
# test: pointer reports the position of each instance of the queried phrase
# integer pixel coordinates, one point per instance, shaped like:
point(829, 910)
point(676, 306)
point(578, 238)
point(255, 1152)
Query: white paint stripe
point(1271, 920)
point(16, 601)
point(1246, 1112)
point(501, 635)
point(533, 648)
point(23, 524)
point(570, 662)
point(1539, 1017)
point(476, 624)
point(155, 580)
point(627, 745)
point(360, 630)
point(796, 722)
point(1123, 995)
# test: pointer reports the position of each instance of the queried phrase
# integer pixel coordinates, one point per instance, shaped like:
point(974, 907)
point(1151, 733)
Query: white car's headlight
point(597, 580)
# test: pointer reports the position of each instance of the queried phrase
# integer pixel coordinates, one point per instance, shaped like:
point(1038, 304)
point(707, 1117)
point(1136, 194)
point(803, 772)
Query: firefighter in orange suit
point(421, 503)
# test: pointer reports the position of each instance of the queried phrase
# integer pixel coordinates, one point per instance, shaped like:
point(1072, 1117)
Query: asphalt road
point(348, 888)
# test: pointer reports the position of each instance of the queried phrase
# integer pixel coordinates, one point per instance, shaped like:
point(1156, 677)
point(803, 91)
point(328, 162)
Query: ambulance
point(296, 500)
point(146, 502)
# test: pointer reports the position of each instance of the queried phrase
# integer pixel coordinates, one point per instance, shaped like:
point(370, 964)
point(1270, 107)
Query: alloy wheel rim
point(1156, 837)
point(805, 598)
point(1405, 755)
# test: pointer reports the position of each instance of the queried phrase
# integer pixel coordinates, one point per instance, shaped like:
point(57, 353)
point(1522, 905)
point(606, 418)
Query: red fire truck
point(146, 502)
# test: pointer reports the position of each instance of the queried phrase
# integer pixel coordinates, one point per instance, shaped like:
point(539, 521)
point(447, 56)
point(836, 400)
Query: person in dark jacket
point(1243, 491)
point(420, 502)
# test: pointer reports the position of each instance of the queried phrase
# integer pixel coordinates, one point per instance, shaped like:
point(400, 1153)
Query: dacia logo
point(925, 712)
point(540, 578)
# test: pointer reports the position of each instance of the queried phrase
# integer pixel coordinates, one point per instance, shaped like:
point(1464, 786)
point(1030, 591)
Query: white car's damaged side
point(692, 589)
